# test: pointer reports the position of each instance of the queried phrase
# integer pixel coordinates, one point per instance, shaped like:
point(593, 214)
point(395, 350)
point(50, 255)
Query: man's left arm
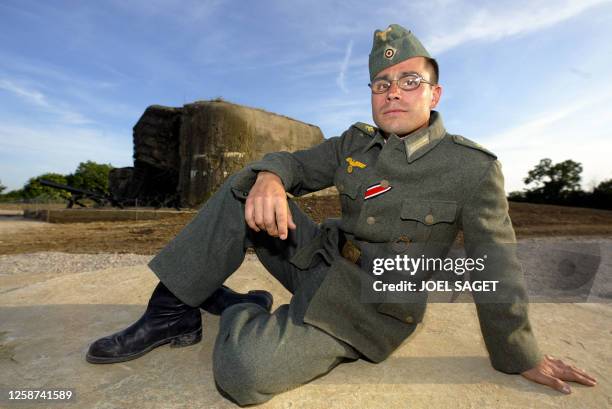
point(503, 314)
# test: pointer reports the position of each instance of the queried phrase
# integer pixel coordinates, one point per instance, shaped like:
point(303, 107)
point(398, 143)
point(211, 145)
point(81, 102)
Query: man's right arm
point(306, 170)
point(268, 180)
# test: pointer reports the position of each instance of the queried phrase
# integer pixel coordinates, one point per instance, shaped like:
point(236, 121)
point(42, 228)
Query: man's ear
point(436, 94)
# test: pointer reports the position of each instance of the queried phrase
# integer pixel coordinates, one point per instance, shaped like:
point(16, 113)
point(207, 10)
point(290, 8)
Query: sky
point(526, 79)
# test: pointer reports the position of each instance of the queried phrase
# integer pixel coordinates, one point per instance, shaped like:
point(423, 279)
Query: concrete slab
point(46, 327)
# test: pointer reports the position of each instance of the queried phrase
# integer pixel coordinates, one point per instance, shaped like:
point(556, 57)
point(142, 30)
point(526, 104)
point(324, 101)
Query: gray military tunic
point(439, 184)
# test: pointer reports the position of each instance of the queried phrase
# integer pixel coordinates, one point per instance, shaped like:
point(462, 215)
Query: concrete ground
point(47, 323)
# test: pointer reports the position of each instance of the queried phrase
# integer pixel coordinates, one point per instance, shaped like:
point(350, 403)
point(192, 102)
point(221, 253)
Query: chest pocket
point(425, 220)
point(348, 188)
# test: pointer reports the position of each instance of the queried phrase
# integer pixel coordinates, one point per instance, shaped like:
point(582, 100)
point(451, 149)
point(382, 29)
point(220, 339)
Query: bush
point(90, 176)
point(34, 189)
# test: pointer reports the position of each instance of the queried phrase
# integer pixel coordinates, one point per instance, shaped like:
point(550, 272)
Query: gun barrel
point(70, 189)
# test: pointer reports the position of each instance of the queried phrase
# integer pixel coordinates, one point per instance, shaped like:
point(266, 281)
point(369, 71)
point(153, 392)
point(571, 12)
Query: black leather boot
point(225, 297)
point(166, 320)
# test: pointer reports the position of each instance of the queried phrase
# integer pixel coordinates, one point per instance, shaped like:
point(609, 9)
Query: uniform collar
point(417, 143)
point(422, 141)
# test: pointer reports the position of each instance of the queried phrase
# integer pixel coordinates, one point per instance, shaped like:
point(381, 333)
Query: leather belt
point(351, 252)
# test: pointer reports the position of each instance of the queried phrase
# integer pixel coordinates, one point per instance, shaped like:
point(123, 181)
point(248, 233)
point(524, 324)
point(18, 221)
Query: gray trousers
point(257, 354)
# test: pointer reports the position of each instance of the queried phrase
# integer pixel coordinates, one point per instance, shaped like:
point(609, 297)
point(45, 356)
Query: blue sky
point(527, 79)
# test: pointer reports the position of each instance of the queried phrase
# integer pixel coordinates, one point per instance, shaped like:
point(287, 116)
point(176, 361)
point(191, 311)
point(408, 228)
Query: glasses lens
point(409, 82)
point(380, 86)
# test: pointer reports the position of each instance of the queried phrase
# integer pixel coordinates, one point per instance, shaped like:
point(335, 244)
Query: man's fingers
point(552, 372)
point(268, 200)
point(285, 221)
point(290, 222)
point(548, 380)
point(583, 373)
point(576, 375)
point(249, 215)
point(281, 219)
point(270, 217)
point(571, 373)
point(258, 213)
point(556, 383)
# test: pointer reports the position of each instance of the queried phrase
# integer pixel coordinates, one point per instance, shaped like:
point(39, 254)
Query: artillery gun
point(101, 199)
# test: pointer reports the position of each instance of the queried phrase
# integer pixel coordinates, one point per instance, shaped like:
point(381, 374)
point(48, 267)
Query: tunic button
point(384, 183)
point(341, 187)
point(408, 320)
point(429, 219)
point(370, 220)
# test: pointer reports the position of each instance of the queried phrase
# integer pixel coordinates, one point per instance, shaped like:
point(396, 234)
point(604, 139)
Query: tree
point(604, 187)
point(2, 187)
point(516, 196)
point(553, 182)
point(33, 189)
point(90, 176)
point(602, 195)
point(13, 195)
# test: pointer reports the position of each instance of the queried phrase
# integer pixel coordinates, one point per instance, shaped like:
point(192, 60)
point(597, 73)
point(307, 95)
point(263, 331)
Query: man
point(406, 188)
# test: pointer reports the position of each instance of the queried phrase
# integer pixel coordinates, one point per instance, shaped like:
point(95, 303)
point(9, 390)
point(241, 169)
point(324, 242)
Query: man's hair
point(434, 70)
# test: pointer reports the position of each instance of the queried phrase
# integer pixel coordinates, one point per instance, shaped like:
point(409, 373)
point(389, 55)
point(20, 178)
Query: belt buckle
point(351, 252)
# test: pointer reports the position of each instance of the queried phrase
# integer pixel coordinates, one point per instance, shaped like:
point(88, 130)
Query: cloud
point(64, 113)
point(44, 72)
point(344, 67)
point(490, 25)
point(31, 96)
point(80, 89)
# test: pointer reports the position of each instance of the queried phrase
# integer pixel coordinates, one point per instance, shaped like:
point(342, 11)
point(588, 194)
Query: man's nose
point(394, 91)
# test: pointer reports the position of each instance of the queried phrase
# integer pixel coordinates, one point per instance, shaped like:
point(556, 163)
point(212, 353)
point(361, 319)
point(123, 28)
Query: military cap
point(392, 46)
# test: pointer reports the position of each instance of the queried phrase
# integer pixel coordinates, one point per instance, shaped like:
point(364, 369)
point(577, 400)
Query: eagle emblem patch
point(354, 164)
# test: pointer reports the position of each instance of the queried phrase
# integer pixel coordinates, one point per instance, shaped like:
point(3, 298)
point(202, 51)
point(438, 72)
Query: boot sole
point(179, 341)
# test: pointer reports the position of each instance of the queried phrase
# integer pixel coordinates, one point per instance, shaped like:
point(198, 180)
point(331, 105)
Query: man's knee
point(241, 374)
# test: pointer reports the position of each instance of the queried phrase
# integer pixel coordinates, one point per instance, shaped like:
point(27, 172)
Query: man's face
point(402, 112)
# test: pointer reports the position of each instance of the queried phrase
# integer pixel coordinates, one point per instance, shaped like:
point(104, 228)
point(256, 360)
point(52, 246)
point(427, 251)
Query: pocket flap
point(406, 313)
point(429, 211)
point(410, 312)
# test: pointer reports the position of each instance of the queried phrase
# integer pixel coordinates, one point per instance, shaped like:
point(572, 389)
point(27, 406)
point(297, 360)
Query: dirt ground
point(148, 237)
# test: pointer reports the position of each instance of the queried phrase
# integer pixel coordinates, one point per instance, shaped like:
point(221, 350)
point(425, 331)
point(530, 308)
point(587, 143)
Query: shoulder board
point(460, 140)
point(365, 128)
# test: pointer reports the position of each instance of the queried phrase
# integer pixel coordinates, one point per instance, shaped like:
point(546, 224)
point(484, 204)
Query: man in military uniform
point(406, 188)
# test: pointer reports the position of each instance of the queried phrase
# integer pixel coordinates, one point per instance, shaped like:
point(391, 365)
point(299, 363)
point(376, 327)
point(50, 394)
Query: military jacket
point(433, 185)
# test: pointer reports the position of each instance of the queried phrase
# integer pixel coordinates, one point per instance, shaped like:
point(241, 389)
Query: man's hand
point(267, 208)
point(553, 372)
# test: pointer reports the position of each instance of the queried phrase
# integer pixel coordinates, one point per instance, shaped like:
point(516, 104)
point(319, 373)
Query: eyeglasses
point(407, 83)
